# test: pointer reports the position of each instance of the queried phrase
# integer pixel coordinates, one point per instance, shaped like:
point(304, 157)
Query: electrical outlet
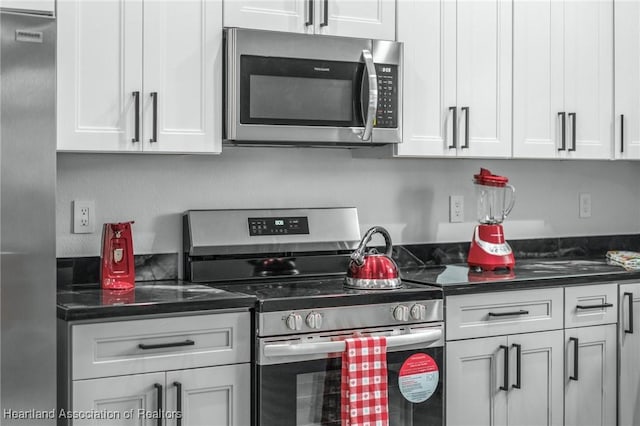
point(456, 208)
point(584, 205)
point(84, 217)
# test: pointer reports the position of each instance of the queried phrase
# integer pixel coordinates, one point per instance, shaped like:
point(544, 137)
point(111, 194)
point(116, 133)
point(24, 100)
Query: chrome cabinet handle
point(373, 94)
point(154, 137)
point(454, 128)
point(466, 127)
point(621, 133)
point(572, 115)
point(563, 132)
point(136, 101)
point(309, 22)
point(325, 18)
point(575, 358)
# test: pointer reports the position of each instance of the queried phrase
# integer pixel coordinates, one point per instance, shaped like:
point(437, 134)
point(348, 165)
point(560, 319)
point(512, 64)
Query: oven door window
point(285, 91)
point(308, 393)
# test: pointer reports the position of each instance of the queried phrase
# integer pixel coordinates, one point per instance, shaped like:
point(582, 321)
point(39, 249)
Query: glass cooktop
point(284, 294)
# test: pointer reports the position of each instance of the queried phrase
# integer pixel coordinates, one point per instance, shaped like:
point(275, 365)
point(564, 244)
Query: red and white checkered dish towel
point(364, 382)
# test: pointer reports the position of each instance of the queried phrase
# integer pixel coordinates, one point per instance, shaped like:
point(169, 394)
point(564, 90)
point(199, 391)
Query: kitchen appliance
point(302, 318)
point(489, 250)
point(372, 270)
point(117, 268)
point(298, 89)
point(27, 218)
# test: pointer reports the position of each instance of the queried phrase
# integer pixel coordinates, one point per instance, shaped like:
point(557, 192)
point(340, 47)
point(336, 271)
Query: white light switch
point(584, 205)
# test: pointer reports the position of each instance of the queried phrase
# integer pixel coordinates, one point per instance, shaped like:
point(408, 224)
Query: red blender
point(489, 251)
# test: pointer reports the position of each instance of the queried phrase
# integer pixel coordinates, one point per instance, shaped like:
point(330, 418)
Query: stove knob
point(418, 312)
point(401, 313)
point(314, 320)
point(294, 322)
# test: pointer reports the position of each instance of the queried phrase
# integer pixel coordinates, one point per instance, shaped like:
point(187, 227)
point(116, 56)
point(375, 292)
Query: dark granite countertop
point(82, 302)
point(529, 273)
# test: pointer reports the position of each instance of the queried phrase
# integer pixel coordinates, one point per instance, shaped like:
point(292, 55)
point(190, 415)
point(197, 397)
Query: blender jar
point(493, 203)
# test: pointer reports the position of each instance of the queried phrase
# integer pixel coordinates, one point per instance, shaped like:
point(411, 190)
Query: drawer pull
point(508, 314)
point(602, 305)
point(505, 386)
point(167, 345)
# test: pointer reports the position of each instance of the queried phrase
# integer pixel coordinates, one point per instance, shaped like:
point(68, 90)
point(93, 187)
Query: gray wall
point(408, 196)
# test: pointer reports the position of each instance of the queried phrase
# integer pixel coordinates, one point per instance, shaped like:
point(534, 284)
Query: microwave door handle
point(372, 105)
point(319, 348)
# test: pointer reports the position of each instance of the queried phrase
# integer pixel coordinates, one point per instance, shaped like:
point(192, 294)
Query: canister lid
point(485, 177)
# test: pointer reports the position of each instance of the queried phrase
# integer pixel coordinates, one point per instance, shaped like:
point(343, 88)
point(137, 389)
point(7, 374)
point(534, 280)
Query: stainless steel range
point(294, 262)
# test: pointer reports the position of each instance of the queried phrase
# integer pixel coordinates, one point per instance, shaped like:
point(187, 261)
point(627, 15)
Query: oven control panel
point(278, 225)
point(348, 317)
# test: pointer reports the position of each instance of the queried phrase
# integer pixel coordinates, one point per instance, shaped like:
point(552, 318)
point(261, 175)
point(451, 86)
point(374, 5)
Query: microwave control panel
point(278, 225)
point(387, 114)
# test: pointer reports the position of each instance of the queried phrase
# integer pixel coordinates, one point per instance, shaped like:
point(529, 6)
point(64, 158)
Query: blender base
point(489, 251)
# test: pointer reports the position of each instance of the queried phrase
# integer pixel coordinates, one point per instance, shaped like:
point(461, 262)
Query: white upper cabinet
point(47, 7)
point(627, 79)
point(349, 18)
point(563, 79)
point(139, 75)
point(457, 77)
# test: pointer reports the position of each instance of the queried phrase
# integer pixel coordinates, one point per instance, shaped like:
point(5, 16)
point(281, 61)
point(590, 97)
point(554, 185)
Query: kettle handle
point(358, 255)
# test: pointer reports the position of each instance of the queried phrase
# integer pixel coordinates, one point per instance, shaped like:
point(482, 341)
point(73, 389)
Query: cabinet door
point(484, 77)
point(590, 397)
point(131, 399)
point(629, 348)
point(41, 6)
point(99, 68)
point(274, 15)
point(538, 90)
point(215, 396)
point(627, 79)
point(475, 373)
point(588, 53)
point(357, 18)
point(182, 97)
point(538, 399)
point(427, 29)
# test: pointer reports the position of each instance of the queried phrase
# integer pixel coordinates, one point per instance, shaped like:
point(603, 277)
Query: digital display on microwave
point(300, 98)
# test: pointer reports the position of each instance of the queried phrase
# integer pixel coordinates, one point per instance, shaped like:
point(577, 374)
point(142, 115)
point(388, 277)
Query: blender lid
point(485, 177)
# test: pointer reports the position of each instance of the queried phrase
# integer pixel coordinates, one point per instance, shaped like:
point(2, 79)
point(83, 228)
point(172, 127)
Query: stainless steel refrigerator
point(27, 219)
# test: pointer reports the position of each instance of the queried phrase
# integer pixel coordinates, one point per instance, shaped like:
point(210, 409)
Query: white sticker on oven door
point(418, 378)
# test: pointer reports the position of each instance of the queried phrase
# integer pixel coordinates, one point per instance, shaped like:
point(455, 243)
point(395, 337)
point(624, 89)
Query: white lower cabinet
point(507, 380)
point(629, 352)
point(590, 376)
point(193, 370)
point(202, 396)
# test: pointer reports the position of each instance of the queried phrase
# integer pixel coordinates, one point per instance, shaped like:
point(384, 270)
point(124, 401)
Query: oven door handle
point(372, 104)
point(318, 348)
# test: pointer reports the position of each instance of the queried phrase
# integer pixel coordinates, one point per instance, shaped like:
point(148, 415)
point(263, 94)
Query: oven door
point(307, 392)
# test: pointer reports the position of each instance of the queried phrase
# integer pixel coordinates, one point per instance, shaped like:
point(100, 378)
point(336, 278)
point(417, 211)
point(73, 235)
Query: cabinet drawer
point(159, 344)
point(590, 305)
point(492, 314)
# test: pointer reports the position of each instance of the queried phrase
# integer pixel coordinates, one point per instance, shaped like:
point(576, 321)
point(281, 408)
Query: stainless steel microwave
point(298, 89)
